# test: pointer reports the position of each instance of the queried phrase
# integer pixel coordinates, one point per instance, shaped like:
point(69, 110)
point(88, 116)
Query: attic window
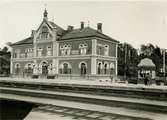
point(44, 29)
point(45, 32)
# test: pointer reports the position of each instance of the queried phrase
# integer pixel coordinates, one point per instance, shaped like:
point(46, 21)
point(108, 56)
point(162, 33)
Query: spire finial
point(45, 14)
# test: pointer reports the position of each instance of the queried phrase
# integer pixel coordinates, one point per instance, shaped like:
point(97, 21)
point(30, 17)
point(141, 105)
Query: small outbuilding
point(146, 69)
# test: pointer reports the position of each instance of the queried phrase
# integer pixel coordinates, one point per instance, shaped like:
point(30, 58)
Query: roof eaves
point(77, 37)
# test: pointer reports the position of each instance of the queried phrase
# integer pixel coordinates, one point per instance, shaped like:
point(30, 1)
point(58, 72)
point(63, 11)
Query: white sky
point(137, 23)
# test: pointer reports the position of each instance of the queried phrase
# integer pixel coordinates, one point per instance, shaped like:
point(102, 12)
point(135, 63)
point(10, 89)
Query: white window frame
point(65, 49)
point(106, 50)
point(40, 52)
point(83, 48)
point(49, 51)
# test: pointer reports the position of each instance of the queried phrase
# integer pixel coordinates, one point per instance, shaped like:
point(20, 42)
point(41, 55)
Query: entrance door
point(44, 69)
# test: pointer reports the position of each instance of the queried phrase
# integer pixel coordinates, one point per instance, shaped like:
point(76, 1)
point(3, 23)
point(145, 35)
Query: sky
point(134, 22)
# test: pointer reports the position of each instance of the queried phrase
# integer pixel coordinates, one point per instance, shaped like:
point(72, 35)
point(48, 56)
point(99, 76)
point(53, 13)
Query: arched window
point(105, 68)
point(112, 67)
point(44, 68)
point(65, 68)
point(83, 68)
point(106, 50)
point(99, 68)
point(17, 68)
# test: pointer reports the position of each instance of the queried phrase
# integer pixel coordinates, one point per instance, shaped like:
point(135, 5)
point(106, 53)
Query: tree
point(127, 60)
point(147, 50)
point(5, 49)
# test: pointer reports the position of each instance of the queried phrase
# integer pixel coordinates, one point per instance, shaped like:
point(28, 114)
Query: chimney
point(99, 27)
point(82, 25)
point(70, 28)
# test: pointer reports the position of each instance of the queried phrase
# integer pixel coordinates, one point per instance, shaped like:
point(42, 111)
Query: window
point(65, 50)
point(103, 49)
point(17, 68)
point(29, 52)
point(99, 68)
point(83, 68)
point(17, 53)
point(65, 68)
point(112, 67)
point(39, 52)
point(44, 66)
point(100, 50)
point(106, 50)
point(28, 69)
point(105, 68)
point(83, 48)
point(45, 33)
point(49, 51)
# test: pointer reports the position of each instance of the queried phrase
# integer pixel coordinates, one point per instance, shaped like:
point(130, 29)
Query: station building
point(51, 50)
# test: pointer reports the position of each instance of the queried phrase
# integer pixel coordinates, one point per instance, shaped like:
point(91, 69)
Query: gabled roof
point(28, 40)
point(74, 34)
point(85, 32)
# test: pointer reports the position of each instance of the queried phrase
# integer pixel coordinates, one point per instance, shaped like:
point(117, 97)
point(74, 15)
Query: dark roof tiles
point(59, 29)
point(85, 32)
point(74, 34)
point(28, 40)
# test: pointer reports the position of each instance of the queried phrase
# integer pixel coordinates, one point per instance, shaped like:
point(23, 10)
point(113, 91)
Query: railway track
point(80, 114)
point(145, 99)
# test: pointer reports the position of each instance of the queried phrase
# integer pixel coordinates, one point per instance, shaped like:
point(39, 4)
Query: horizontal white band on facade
point(65, 57)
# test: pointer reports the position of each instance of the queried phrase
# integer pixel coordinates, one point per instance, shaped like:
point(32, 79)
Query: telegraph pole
point(164, 51)
point(125, 62)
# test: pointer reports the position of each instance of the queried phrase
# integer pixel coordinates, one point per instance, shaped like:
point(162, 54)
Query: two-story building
point(51, 50)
